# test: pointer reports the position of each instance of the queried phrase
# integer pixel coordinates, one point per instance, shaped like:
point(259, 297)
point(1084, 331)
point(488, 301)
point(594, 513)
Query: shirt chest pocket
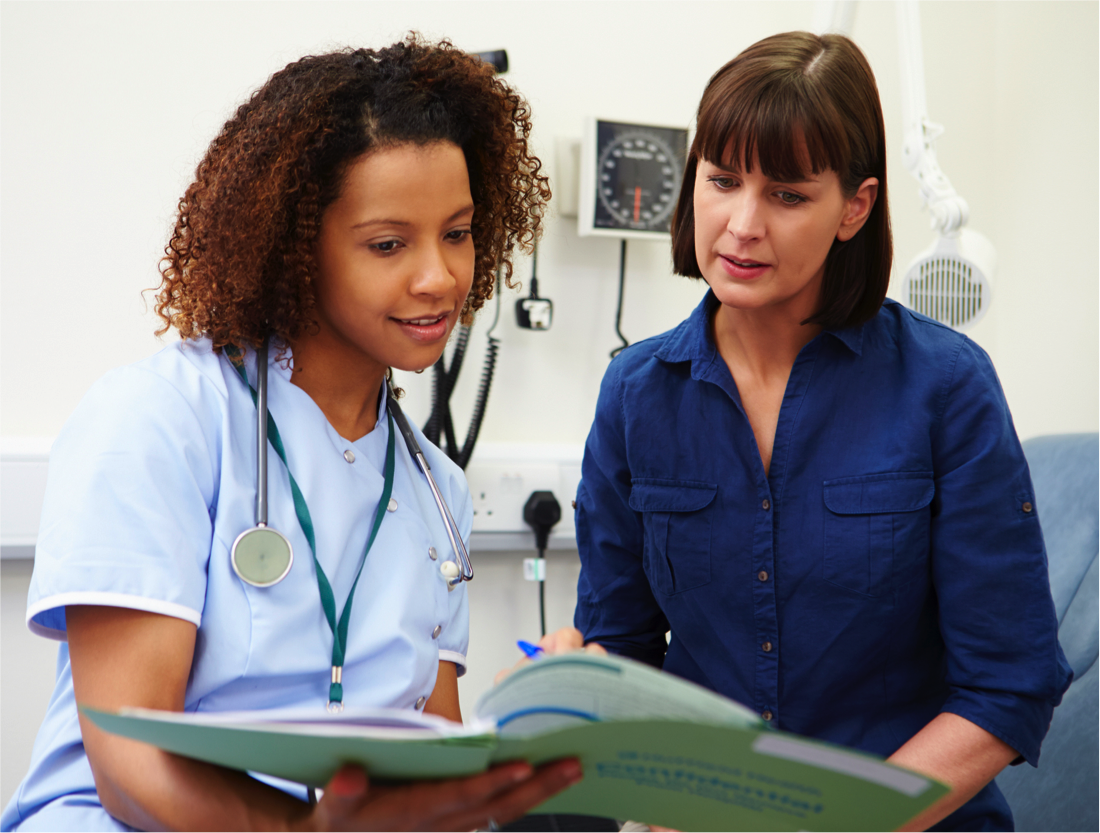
point(876, 528)
point(676, 517)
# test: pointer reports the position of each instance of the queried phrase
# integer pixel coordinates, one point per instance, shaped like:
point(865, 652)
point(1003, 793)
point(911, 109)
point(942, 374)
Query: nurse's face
point(395, 255)
point(762, 243)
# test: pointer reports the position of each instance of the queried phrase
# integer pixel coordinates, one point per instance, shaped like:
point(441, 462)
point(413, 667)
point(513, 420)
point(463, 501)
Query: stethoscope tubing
point(261, 435)
point(454, 535)
point(453, 532)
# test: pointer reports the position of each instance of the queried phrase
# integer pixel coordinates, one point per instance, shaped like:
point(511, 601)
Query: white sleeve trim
point(92, 597)
point(454, 656)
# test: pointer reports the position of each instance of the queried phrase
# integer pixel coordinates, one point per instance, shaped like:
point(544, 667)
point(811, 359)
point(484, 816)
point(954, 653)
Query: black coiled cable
point(440, 421)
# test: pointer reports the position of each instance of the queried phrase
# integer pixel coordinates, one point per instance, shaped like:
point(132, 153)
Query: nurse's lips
point(743, 268)
point(426, 328)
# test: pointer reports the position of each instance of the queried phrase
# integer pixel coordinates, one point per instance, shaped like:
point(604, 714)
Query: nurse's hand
point(559, 642)
point(351, 802)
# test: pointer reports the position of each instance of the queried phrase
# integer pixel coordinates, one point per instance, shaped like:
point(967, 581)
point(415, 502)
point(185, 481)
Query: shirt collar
point(850, 337)
point(692, 339)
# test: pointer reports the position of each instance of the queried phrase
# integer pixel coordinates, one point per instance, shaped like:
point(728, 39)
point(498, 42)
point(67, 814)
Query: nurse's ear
point(857, 209)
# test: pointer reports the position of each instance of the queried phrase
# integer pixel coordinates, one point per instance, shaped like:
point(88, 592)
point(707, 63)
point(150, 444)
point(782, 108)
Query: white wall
point(107, 107)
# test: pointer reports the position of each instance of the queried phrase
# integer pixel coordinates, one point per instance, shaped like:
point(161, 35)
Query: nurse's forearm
point(444, 699)
point(959, 753)
point(153, 790)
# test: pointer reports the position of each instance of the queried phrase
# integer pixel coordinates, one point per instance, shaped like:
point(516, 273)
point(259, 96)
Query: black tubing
point(480, 403)
point(619, 309)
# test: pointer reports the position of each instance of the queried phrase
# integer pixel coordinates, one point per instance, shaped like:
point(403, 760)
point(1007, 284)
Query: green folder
point(654, 748)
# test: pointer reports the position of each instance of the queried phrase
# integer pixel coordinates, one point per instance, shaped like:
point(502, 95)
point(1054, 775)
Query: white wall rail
point(501, 476)
point(24, 462)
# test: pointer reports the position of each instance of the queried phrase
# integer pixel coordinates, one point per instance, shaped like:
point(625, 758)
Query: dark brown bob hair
point(800, 103)
point(240, 262)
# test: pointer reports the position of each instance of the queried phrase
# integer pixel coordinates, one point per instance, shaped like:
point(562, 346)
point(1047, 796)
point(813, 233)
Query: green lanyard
point(328, 600)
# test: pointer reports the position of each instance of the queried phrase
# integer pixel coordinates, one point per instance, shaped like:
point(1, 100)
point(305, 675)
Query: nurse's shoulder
point(182, 383)
point(178, 393)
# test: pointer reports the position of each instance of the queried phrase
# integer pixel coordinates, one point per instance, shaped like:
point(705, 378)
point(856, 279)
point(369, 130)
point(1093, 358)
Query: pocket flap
point(652, 495)
point(871, 494)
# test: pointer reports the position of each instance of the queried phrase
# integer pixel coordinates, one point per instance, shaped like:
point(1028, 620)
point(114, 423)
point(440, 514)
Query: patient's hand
point(559, 642)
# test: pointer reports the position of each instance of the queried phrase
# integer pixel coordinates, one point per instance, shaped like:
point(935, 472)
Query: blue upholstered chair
point(1062, 793)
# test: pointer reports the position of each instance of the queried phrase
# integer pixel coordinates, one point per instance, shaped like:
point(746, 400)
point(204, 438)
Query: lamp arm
point(949, 211)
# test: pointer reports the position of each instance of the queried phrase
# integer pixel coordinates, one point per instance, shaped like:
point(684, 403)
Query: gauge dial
point(638, 173)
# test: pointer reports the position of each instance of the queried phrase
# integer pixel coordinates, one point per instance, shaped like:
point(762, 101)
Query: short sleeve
point(126, 520)
point(615, 605)
point(1005, 669)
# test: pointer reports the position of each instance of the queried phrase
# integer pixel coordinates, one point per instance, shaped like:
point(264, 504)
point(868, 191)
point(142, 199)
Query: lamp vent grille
point(946, 289)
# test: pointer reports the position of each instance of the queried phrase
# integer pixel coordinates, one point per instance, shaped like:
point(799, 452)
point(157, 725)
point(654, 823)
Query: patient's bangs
point(791, 138)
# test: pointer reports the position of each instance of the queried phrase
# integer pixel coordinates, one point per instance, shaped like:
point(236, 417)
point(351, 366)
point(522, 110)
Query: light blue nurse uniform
point(151, 481)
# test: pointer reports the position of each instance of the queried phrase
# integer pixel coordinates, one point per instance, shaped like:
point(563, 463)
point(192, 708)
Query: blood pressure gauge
point(630, 179)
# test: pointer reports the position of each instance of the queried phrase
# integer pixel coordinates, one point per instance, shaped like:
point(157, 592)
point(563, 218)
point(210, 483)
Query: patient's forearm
point(955, 751)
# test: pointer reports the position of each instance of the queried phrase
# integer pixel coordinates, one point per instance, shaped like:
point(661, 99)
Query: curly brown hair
point(240, 263)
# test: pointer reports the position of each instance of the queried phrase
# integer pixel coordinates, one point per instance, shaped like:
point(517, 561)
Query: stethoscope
point(262, 556)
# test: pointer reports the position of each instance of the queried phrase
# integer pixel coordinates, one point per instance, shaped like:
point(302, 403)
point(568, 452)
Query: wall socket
point(503, 475)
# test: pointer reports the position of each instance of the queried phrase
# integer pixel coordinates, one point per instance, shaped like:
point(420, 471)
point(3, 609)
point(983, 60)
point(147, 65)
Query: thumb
point(344, 793)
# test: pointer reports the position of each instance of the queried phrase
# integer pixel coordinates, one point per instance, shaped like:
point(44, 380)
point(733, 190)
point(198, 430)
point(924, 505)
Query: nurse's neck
point(343, 382)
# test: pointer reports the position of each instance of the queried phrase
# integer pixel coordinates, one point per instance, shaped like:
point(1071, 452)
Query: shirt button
point(1027, 507)
point(432, 554)
point(349, 455)
point(767, 646)
point(436, 631)
point(766, 714)
point(762, 575)
point(766, 504)
point(420, 701)
point(392, 505)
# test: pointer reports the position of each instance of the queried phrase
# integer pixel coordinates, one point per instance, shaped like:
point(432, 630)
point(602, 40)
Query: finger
point(562, 641)
point(506, 671)
point(343, 795)
point(596, 648)
point(437, 800)
point(549, 780)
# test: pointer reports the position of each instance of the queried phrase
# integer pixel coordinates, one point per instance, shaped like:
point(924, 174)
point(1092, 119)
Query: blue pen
point(532, 651)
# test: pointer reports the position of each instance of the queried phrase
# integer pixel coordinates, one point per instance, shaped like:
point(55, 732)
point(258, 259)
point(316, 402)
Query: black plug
point(541, 513)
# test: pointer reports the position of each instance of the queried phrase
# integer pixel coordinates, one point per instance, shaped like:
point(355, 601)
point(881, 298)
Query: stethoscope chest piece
point(261, 556)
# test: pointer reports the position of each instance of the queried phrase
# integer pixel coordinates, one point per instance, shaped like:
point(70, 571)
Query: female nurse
point(818, 494)
point(349, 213)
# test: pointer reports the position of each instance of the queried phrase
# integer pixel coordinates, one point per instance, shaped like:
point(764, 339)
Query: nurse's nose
point(433, 273)
point(746, 222)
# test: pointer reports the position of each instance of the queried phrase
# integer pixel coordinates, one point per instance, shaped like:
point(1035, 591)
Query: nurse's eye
point(459, 235)
point(789, 198)
point(385, 246)
point(722, 183)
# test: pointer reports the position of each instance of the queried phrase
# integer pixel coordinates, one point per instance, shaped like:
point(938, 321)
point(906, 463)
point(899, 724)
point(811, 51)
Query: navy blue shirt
point(889, 567)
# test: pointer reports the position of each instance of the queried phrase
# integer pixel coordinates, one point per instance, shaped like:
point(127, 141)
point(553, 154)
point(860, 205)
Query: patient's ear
point(857, 209)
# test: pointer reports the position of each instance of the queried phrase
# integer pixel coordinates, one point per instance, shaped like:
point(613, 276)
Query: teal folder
point(654, 748)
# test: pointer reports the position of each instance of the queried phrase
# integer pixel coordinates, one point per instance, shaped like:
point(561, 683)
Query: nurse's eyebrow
point(469, 209)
